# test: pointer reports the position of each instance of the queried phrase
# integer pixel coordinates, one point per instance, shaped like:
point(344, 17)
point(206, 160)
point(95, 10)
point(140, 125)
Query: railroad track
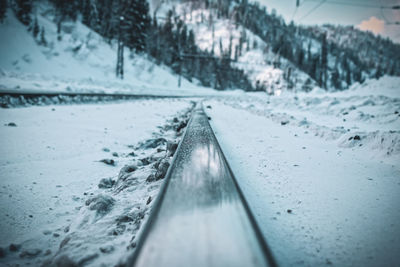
point(27, 98)
point(29, 94)
point(201, 217)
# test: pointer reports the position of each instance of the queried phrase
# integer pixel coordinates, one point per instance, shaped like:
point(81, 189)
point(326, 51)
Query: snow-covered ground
point(320, 171)
point(50, 168)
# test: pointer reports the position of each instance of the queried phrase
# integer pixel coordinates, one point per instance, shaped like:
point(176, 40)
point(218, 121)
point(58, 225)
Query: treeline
point(324, 58)
point(169, 42)
point(333, 56)
point(128, 23)
point(172, 44)
point(21, 8)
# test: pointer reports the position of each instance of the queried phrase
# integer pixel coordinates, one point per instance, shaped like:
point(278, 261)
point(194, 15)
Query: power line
point(294, 13)
point(381, 7)
point(366, 5)
point(387, 22)
point(313, 9)
point(297, 8)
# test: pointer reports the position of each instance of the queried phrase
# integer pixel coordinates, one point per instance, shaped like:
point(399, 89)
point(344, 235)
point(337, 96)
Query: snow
point(42, 83)
point(256, 61)
point(51, 166)
point(319, 197)
point(319, 170)
point(81, 62)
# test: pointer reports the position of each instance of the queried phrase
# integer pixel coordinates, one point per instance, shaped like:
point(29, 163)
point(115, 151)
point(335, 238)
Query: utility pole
point(180, 69)
point(179, 58)
point(120, 52)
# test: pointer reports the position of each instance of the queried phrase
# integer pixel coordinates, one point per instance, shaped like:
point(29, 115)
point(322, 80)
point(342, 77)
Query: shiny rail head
point(201, 218)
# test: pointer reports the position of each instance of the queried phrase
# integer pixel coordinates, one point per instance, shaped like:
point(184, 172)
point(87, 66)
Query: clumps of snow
point(162, 168)
point(152, 143)
point(385, 142)
point(108, 161)
point(102, 204)
point(171, 148)
point(11, 124)
point(105, 231)
point(30, 253)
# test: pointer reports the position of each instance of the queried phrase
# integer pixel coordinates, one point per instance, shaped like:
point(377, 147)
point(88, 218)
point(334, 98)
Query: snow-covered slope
point(248, 52)
point(82, 60)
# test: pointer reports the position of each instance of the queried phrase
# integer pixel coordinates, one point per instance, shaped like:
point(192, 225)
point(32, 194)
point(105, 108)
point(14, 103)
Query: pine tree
point(66, 9)
point(42, 37)
point(392, 71)
point(314, 68)
point(335, 79)
point(86, 12)
point(346, 70)
point(23, 10)
point(348, 77)
point(357, 75)
point(230, 47)
point(191, 43)
point(221, 48)
point(35, 29)
point(309, 51)
point(300, 58)
point(255, 44)
point(212, 39)
point(378, 72)
point(324, 61)
point(3, 10)
point(153, 40)
point(136, 24)
point(120, 52)
point(143, 20)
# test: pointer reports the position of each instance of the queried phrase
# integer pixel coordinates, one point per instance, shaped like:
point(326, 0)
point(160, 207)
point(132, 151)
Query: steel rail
point(33, 94)
point(200, 217)
point(10, 99)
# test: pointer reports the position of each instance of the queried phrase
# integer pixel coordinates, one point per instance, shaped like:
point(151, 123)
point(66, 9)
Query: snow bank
point(370, 111)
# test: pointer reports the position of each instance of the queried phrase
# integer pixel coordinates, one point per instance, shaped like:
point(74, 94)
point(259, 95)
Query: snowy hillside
point(224, 37)
point(81, 61)
point(373, 51)
point(237, 45)
point(275, 55)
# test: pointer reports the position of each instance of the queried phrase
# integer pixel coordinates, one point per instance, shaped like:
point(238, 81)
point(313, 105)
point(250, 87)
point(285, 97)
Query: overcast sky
point(366, 17)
